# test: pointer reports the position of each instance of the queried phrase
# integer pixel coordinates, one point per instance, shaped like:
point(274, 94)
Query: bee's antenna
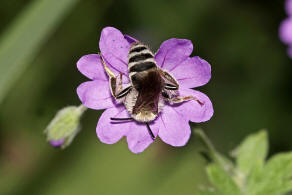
point(121, 119)
point(150, 132)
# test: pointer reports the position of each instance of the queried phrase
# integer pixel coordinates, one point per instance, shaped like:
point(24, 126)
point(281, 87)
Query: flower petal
point(91, 66)
point(289, 7)
point(193, 72)
point(172, 52)
point(173, 128)
point(192, 110)
point(95, 94)
point(115, 48)
point(57, 143)
point(285, 31)
point(138, 137)
point(108, 131)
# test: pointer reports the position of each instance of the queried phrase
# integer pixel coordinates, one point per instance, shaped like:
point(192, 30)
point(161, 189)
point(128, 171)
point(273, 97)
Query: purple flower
point(172, 124)
point(285, 31)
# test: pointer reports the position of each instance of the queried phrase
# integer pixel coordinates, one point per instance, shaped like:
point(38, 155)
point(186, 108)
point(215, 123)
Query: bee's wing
point(146, 102)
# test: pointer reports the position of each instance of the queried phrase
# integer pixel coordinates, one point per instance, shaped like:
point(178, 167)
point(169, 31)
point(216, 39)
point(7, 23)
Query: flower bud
point(65, 126)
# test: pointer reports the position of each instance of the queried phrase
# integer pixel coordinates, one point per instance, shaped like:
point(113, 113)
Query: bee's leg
point(117, 93)
point(173, 85)
point(121, 119)
point(106, 68)
point(165, 94)
point(123, 93)
point(180, 99)
point(150, 131)
point(120, 87)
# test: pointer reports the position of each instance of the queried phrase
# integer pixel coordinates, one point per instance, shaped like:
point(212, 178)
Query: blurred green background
point(40, 43)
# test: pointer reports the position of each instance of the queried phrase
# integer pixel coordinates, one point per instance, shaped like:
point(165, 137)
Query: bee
point(149, 88)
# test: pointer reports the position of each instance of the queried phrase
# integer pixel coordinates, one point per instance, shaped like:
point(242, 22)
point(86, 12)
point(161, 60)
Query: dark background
point(250, 90)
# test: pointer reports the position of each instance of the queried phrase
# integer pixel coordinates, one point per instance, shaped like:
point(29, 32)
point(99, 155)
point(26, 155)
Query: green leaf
point(222, 181)
point(20, 43)
point(275, 178)
point(251, 154)
point(251, 175)
point(208, 192)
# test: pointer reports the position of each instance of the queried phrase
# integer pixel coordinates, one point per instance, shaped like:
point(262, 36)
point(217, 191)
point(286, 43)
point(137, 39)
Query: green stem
point(210, 147)
point(81, 108)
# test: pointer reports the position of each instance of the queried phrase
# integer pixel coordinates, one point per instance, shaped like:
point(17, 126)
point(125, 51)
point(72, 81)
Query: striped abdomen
point(140, 58)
